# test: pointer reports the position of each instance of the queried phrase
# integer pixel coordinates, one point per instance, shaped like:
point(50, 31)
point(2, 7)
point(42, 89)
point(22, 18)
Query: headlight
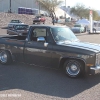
point(97, 59)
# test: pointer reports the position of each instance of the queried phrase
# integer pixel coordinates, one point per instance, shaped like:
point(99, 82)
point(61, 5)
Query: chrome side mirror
point(41, 39)
point(45, 44)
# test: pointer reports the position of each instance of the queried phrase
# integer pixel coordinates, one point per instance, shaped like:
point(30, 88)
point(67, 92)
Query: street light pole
point(10, 7)
point(39, 7)
point(65, 11)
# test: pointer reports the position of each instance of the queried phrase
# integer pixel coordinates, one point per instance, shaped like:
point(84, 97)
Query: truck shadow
point(43, 80)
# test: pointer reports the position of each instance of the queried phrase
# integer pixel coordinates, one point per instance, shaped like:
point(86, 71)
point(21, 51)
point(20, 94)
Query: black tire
point(5, 57)
point(73, 68)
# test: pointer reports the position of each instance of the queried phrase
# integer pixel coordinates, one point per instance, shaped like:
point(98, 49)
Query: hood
point(82, 45)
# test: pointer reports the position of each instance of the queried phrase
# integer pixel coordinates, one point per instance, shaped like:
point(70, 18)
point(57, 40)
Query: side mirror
point(41, 39)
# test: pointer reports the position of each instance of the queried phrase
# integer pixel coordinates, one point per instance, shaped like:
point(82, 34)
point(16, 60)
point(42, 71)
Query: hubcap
point(3, 57)
point(72, 69)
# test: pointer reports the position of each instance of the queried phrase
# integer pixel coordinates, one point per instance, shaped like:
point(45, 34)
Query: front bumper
point(95, 70)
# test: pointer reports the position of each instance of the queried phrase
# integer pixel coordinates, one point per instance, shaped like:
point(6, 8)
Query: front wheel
point(73, 68)
point(5, 57)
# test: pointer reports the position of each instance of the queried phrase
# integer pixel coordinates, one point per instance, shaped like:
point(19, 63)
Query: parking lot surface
point(20, 81)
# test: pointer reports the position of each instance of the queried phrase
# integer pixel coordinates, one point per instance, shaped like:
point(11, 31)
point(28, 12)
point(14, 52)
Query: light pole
point(91, 20)
point(39, 7)
point(65, 11)
point(10, 7)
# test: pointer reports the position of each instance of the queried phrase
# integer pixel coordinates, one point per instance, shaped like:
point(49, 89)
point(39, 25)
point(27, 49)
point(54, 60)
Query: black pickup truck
point(52, 46)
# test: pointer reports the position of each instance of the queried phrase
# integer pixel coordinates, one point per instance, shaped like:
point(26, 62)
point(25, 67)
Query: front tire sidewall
point(73, 73)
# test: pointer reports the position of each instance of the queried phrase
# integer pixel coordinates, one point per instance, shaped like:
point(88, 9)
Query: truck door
point(36, 52)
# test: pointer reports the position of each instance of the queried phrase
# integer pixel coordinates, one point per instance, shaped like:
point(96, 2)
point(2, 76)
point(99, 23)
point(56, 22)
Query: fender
point(63, 59)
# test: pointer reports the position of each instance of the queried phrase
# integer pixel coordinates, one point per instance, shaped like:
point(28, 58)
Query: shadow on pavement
point(43, 80)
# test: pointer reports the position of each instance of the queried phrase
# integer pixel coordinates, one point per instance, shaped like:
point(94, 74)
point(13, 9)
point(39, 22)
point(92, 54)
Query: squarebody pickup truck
point(52, 46)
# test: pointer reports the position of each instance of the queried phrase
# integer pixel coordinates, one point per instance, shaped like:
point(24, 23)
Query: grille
point(98, 59)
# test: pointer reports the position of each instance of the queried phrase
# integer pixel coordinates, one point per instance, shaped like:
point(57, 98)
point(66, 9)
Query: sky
point(88, 3)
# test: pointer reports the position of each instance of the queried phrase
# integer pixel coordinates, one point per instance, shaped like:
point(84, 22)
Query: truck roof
point(48, 26)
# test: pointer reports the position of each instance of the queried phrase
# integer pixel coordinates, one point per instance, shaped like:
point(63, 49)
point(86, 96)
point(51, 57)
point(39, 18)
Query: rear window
point(77, 25)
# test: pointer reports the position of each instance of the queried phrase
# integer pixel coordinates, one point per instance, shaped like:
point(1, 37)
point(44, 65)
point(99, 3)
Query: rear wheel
point(5, 57)
point(73, 68)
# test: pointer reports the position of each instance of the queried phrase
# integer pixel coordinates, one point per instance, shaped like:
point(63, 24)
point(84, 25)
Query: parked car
point(52, 46)
point(19, 29)
point(14, 22)
point(78, 28)
point(39, 19)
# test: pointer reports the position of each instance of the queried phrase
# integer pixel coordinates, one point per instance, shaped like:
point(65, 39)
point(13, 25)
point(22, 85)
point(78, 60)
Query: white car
point(78, 28)
point(14, 22)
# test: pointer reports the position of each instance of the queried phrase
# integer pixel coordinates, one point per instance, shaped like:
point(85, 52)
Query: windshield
point(63, 34)
point(15, 21)
point(38, 17)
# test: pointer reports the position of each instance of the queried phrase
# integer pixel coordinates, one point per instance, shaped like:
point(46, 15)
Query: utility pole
point(10, 7)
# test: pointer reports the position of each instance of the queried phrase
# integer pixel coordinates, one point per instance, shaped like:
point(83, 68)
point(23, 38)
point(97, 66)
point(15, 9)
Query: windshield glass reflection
point(63, 34)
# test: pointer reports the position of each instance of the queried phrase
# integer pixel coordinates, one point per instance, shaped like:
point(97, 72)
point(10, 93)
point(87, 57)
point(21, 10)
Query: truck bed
point(15, 37)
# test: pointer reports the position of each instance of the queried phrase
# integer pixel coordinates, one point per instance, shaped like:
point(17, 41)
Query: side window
point(41, 32)
point(38, 32)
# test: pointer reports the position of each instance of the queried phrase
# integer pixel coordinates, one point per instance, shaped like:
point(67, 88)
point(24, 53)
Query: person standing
point(53, 19)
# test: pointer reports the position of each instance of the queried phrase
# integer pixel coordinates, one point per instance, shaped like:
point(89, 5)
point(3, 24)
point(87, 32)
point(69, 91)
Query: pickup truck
point(18, 29)
point(52, 46)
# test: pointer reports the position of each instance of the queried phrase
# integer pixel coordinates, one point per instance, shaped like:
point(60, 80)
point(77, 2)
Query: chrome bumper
point(95, 70)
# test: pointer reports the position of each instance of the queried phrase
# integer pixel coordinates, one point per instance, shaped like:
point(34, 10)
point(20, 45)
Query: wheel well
point(65, 59)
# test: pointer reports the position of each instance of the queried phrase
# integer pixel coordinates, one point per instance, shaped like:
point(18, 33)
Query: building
point(60, 12)
point(5, 5)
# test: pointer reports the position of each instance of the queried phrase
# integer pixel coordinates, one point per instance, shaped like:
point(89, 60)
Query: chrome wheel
point(73, 68)
point(3, 57)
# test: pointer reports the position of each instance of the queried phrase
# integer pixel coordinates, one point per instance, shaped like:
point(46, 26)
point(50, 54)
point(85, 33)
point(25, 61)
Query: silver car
point(78, 28)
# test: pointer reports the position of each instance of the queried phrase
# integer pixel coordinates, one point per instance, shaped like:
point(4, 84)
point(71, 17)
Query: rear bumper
point(36, 20)
point(95, 70)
